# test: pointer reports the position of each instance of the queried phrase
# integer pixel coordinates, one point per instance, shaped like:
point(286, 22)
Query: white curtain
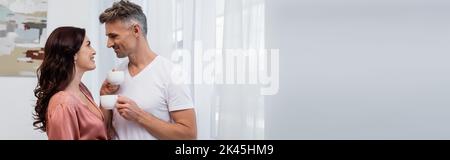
point(224, 111)
point(228, 111)
point(239, 108)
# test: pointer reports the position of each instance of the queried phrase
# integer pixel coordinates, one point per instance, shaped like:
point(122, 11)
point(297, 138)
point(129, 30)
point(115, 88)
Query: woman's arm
point(62, 123)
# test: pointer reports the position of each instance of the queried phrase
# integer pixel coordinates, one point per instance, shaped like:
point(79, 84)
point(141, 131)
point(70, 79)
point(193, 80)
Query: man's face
point(120, 38)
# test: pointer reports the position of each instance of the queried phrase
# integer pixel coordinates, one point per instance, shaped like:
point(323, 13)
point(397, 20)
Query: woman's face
point(84, 59)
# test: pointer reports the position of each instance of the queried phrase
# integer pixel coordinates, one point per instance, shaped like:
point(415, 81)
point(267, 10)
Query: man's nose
point(109, 44)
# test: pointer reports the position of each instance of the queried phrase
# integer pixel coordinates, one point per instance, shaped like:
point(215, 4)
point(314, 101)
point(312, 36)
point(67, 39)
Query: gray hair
point(124, 11)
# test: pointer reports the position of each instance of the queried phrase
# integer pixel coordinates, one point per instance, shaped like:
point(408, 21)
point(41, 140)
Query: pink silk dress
point(68, 118)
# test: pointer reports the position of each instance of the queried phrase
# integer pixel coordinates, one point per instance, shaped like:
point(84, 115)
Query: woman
point(65, 108)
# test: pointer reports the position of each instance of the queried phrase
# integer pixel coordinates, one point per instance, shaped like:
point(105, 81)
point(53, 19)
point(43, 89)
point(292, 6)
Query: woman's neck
point(74, 85)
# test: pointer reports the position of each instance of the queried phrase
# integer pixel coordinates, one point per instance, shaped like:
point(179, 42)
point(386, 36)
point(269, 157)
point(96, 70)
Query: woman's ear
point(75, 58)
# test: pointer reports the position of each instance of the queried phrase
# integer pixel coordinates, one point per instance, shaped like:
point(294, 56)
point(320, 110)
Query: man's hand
point(183, 127)
point(108, 88)
point(128, 109)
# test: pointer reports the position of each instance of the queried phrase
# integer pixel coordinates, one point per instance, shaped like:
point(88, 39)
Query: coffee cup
point(115, 77)
point(108, 101)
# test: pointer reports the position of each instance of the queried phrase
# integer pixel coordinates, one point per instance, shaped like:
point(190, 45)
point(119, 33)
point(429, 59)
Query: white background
point(360, 69)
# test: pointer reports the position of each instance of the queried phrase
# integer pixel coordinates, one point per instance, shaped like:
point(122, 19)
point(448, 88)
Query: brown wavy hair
point(57, 69)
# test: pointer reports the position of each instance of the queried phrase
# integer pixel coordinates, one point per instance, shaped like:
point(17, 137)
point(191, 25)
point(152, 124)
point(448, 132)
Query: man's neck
point(142, 57)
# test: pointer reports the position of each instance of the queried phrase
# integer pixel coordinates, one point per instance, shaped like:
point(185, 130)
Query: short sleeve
point(62, 123)
point(179, 97)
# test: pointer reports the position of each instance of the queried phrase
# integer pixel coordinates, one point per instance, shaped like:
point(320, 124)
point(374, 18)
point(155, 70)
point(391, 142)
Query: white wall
point(364, 69)
point(16, 104)
point(83, 14)
point(17, 92)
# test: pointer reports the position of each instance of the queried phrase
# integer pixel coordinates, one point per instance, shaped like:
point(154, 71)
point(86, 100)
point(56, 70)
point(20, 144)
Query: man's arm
point(183, 127)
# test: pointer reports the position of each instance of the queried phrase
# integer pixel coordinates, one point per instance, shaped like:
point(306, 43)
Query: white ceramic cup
point(108, 101)
point(116, 77)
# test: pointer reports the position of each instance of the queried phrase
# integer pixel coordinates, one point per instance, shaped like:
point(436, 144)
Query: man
point(150, 104)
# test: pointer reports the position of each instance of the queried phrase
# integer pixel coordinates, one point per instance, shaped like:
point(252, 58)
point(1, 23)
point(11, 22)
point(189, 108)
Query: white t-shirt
point(154, 91)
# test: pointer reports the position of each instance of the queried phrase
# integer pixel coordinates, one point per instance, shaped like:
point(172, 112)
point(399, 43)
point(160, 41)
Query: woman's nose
point(93, 52)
